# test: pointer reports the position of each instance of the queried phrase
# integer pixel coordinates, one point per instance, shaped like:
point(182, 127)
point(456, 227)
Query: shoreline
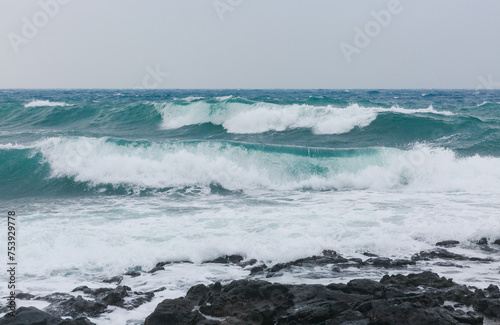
point(403, 290)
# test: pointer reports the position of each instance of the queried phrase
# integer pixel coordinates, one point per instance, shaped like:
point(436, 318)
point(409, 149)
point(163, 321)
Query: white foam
point(46, 103)
point(9, 146)
point(264, 117)
point(163, 165)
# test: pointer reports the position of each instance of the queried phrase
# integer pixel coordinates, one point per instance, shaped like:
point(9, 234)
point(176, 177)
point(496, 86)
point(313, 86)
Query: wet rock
point(448, 264)
point(329, 252)
point(363, 286)
point(133, 273)
point(396, 299)
point(437, 253)
point(178, 311)
point(34, 316)
point(160, 266)
point(402, 262)
point(257, 270)
point(329, 257)
point(227, 259)
point(248, 263)
point(482, 241)
point(446, 255)
point(118, 279)
point(76, 307)
point(29, 316)
point(55, 297)
point(379, 261)
point(116, 297)
point(24, 296)
point(412, 281)
point(448, 243)
point(77, 321)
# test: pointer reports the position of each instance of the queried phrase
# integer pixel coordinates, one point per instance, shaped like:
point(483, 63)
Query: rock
point(55, 297)
point(379, 261)
point(24, 296)
point(448, 243)
point(363, 286)
point(160, 266)
point(256, 270)
point(133, 273)
point(178, 311)
point(30, 316)
point(448, 264)
point(446, 255)
point(227, 259)
point(77, 321)
point(412, 281)
point(76, 307)
point(118, 279)
point(329, 257)
point(400, 263)
point(396, 299)
point(329, 252)
point(497, 242)
point(437, 253)
point(116, 297)
point(248, 263)
point(482, 241)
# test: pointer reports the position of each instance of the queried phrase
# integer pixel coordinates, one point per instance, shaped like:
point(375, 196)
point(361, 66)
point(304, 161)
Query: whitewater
point(105, 184)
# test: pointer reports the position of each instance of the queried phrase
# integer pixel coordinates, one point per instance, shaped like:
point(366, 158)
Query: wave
point(264, 117)
point(46, 103)
point(10, 146)
point(97, 163)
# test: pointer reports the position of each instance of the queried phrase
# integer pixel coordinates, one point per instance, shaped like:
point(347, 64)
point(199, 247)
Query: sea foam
point(265, 117)
point(237, 167)
point(46, 103)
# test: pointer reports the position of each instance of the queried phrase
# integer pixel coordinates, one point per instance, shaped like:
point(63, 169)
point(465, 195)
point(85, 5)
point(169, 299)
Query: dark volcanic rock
point(227, 259)
point(133, 273)
point(116, 297)
point(444, 254)
point(24, 296)
point(34, 316)
point(118, 279)
point(30, 316)
point(482, 241)
point(175, 311)
point(448, 243)
point(248, 263)
point(76, 307)
point(160, 266)
point(396, 299)
point(328, 257)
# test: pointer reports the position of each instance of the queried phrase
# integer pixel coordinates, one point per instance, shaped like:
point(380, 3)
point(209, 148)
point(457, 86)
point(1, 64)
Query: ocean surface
point(109, 181)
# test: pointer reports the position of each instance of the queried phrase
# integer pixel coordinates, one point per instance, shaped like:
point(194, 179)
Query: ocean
point(105, 182)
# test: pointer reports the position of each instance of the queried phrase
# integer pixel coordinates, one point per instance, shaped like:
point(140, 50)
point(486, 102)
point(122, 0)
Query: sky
point(301, 44)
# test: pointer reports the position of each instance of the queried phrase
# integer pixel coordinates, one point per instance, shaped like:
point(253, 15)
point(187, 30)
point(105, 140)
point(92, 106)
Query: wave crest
point(264, 117)
point(240, 167)
point(46, 103)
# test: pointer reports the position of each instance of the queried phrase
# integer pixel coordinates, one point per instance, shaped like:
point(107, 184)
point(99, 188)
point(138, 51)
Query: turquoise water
point(297, 134)
point(106, 181)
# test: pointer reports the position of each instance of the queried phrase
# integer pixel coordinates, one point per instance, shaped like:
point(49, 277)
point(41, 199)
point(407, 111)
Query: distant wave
point(46, 103)
point(263, 117)
point(101, 161)
point(8, 146)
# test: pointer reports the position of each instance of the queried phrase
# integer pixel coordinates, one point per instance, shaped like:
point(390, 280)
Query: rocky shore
point(416, 298)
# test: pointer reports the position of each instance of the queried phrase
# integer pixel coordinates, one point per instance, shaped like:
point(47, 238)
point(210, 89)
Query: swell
point(105, 166)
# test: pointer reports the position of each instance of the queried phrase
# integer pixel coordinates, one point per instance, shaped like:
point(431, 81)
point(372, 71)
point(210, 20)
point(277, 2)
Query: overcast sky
point(249, 43)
